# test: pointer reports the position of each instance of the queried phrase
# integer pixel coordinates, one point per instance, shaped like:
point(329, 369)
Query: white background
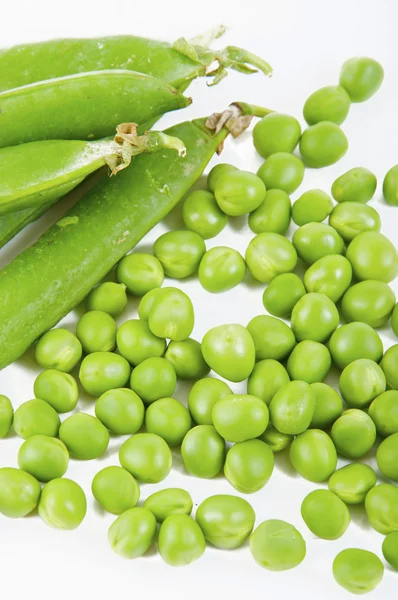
point(306, 42)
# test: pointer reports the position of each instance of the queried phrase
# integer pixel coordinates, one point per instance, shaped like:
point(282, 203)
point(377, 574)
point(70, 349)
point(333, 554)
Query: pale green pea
point(103, 371)
point(309, 361)
point(36, 417)
point(216, 172)
point(169, 419)
point(266, 379)
point(323, 144)
point(369, 302)
point(203, 396)
point(6, 415)
point(353, 341)
point(354, 433)
point(62, 504)
point(136, 342)
point(384, 413)
point(276, 132)
point(315, 240)
point(202, 214)
point(350, 218)
point(352, 482)
point(324, 502)
point(146, 303)
point(282, 171)
point(133, 532)
point(58, 349)
point(361, 381)
point(167, 502)
point(230, 351)
point(358, 571)
point(140, 273)
point(361, 77)
point(121, 411)
point(171, 315)
point(84, 435)
point(330, 275)
point(96, 331)
point(292, 408)
point(313, 455)
point(269, 255)
point(389, 364)
point(277, 545)
point(390, 549)
point(314, 317)
point(115, 489)
point(108, 297)
point(329, 103)
point(328, 406)
point(221, 269)
point(179, 253)
point(187, 359)
point(373, 256)
point(249, 465)
point(272, 337)
point(203, 451)
point(356, 185)
point(312, 207)
point(181, 540)
point(276, 440)
point(240, 417)
point(147, 457)
point(19, 492)
point(43, 457)
point(226, 521)
point(57, 389)
point(154, 378)
point(273, 215)
point(387, 457)
point(381, 505)
point(390, 186)
point(282, 293)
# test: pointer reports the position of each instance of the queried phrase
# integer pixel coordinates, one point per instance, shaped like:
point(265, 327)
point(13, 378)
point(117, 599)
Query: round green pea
point(358, 571)
point(361, 381)
point(84, 435)
point(390, 549)
point(328, 406)
point(330, 275)
point(201, 214)
point(381, 505)
point(152, 379)
point(282, 171)
point(109, 297)
point(140, 273)
point(96, 331)
point(329, 103)
point(352, 482)
point(146, 303)
point(273, 215)
point(314, 317)
point(121, 411)
point(292, 408)
point(356, 185)
point(203, 451)
point(179, 252)
point(216, 172)
point(6, 415)
point(354, 341)
point(147, 457)
point(168, 419)
point(167, 502)
point(239, 192)
point(58, 349)
point(57, 389)
point(203, 396)
point(350, 219)
point(62, 504)
point(36, 417)
point(43, 457)
point(19, 492)
point(389, 364)
point(276, 132)
point(387, 457)
point(323, 144)
point(133, 532)
point(230, 351)
point(282, 293)
point(361, 77)
point(384, 413)
point(309, 361)
point(187, 359)
point(354, 433)
point(272, 337)
point(240, 417)
point(181, 540)
point(314, 206)
point(269, 255)
point(369, 302)
point(373, 256)
point(266, 379)
point(103, 371)
point(390, 186)
point(226, 521)
point(316, 240)
point(249, 465)
point(136, 342)
point(394, 320)
point(316, 506)
point(277, 545)
point(171, 315)
point(115, 489)
point(221, 269)
point(276, 440)
point(313, 455)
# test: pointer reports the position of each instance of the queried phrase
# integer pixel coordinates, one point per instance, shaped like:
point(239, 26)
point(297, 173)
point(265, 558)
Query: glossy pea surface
point(323, 144)
point(181, 540)
point(272, 337)
point(390, 186)
point(361, 381)
point(203, 451)
point(57, 389)
point(140, 273)
point(239, 192)
point(133, 532)
point(387, 457)
point(62, 504)
point(389, 364)
point(319, 503)
point(103, 371)
point(203, 396)
point(282, 293)
point(58, 349)
point(36, 417)
point(221, 269)
point(314, 317)
point(169, 419)
point(277, 545)
point(282, 171)
point(43, 457)
point(354, 433)
point(266, 379)
point(136, 342)
point(202, 214)
point(292, 408)
point(96, 331)
point(216, 172)
point(356, 185)
point(230, 351)
point(369, 302)
point(187, 359)
point(329, 103)
point(351, 218)
point(361, 77)
point(373, 256)
point(109, 297)
point(358, 571)
point(226, 520)
point(19, 492)
point(249, 465)
point(352, 482)
point(240, 417)
point(147, 457)
point(315, 240)
point(167, 502)
point(381, 505)
point(273, 215)
point(313, 455)
point(115, 489)
point(84, 435)
point(330, 275)
point(172, 314)
point(384, 413)
point(354, 341)
point(309, 361)
point(276, 132)
point(121, 411)
point(154, 378)
point(179, 252)
point(314, 206)
point(269, 255)
point(328, 406)
point(6, 415)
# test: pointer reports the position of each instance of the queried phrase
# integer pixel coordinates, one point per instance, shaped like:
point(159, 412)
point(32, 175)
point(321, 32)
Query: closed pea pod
point(323, 144)
point(240, 417)
point(330, 275)
point(167, 502)
point(354, 433)
point(272, 337)
point(361, 77)
point(330, 103)
point(282, 293)
point(226, 521)
point(351, 218)
point(249, 465)
point(358, 571)
point(273, 214)
point(369, 302)
point(313, 455)
point(19, 492)
point(357, 185)
point(276, 132)
point(133, 532)
point(312, 207)
point(187, 359)
point(390, 186)
point(352, 482)
point(292, 407)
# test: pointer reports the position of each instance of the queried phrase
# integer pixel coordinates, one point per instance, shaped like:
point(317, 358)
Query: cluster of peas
point(287, 405)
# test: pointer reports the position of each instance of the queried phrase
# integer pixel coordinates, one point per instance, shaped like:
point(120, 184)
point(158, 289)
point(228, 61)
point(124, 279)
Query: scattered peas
point(136, 342)
point(230, 351)
point(103, 371)
point(152, 379)
point(167, 502)
point(361, 77)
point(269, 255)
point(203, 451)
point(57, 389)
point(240, 417)
point(19, 492)
point(272, 337)
point(133, 532)
point(202, 214)
point(181, 540)
point(226, 521)
point(316, 240)
point(273, 215)
point(62, 504)
point(140, 273)
point(314, 206)
point(115, 489)
point(168, 419)
point(350, 219)
point(390, 186)
point(282, 171)
point(221, 269)
point(203, 396)
point(43, 457)
point(121, 411)
point(239, 192)
point(354, 433)
point(58, 349)
point(309, 361)
point(330, 103)
point(6, 415)
point(320, 504)
point(147, 457)
point(96, 331)
point(179, 252)
point(292, 408)
point(36, 417)
point(84, 435)
point(277, 545)
point(323, 144)
point(282, 294)
point(108, 297)
point(355, 341)
point(358, 571)
point(352, 482)
point(249, 465)
point(276, 132)
point(313, 455)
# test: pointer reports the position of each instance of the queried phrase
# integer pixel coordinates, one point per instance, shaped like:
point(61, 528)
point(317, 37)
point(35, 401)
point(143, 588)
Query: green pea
point(330, 103)
point(216, 172)
point(381, 505)
point(328, 406)
point(181, 540)
point(249, 465)
point(352, 482)
point(369, 302)
point(389, 364)
point(316, 240)
point(229, 350)
point(108, 297)
point(96, 331)
point(154, 378)
point(36, 417)
point(276, 132)
point(350, 219)
point(179, 252)
point(276, 440)
point(361, 77)
point(221, 269)
point(226, 521)
point(121, 411)
point(309, 361)
point(266, 379)
point(58, 349)
point(84, 435)
point(384, 413)
point(169, 419)
point(103, 371)
point(239, 192)
point(394, 320)
point(330, 275)
point(146, 303)
point(43, 457)
point(273, 215)
point(282, 293)
point(313, 455)
point(19, 493)
point(6, 415)
point(277, 545)
point(202, 214)
point(314, 317)
point(361, 381)
point(115, 489)
point(240, 417)
point(133, 532)
point(171, 315)
point(140, 273)
point(202, 398)
point(353, 341)
point(323, 144)
point(387, 457)
point(58, 389)
point(136, 342)
point(354, 433)
point(269, 255)
point(272, 337)
point(147, 457)
point(390, 186)
point(203, 451)
point(282, 171)
point(356, 185)
point(358, 571)
point(167, 502)
point(292, 408)
point(312, 207)
point(187, 359)
point(62, 504)
point(390, 549)
point(320, 503)
point(373, 256)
